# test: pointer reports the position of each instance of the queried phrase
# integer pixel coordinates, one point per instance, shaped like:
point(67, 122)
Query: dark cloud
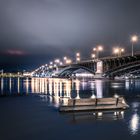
point(44, 29)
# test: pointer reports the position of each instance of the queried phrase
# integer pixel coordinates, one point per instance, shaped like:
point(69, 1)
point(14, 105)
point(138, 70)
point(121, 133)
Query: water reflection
point(77, 82)
point(78, 117)
point(99, 88)
point(134, 121)
point(27, 85)
point(66, 88)
point(18, 85)
point(131, 84)
point(54, 91)
point(1, 85)
point(10, 85)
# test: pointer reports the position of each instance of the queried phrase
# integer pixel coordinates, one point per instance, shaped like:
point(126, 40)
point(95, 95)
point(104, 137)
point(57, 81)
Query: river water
point(29, 109)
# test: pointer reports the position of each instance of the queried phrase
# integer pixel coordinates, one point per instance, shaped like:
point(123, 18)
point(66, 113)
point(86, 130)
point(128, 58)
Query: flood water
point(29, 109)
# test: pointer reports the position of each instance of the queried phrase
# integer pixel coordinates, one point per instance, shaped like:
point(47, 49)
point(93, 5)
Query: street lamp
point(77, 57)
point(93, 57)
point(78, 54)
point(98, 49)
point(118, 51)
point(134, 39)
point(65, 59)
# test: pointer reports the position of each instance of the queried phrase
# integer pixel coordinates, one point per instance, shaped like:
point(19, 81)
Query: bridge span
point(107, 67)
point(103, 67)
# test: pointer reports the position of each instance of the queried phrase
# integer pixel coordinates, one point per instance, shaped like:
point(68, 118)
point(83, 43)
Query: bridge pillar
point(99, 69)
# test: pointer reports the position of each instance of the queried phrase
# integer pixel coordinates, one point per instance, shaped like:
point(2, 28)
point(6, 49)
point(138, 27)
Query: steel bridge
point(107, 67)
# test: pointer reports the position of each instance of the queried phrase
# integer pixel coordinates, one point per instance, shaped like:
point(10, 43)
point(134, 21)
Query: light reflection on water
point(134, 123)
point(55, 91)
point(52, 86)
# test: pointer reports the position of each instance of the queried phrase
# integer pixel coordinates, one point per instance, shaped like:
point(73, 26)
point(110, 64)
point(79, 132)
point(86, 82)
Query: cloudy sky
point(33, 32)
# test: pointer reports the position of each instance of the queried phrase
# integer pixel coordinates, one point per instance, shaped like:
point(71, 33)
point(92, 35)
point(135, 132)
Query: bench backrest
point(99, 101)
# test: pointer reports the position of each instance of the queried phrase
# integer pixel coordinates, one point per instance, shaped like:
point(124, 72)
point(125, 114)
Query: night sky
point(33, 32)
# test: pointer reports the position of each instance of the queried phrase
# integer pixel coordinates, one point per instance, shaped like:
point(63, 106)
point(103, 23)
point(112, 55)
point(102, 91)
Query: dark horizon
point(33, 33)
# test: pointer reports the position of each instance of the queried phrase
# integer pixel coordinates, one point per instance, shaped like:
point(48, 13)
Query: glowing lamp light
point(100, 48)
point(57, 61)
point(77, 54)
point(93, 56)
point(50, 66)
point(55, 65)
point(78, 59)
point(116, 50)
point(134, 38)
point(51, 63)
point(65, 58)
point(61, 63)
point(68, 61)
point(94, 49)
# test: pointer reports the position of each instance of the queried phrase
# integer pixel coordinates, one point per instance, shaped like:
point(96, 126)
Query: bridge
point(103, 67)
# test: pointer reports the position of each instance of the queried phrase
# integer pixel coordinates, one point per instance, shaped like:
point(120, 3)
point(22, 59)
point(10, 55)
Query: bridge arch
point(124, 69)
point(68, 71)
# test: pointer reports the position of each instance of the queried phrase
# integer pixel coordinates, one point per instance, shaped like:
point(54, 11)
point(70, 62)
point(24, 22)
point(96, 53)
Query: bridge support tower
point(99, 69)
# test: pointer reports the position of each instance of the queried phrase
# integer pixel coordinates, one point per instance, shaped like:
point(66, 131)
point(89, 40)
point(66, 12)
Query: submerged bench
point(94, 104)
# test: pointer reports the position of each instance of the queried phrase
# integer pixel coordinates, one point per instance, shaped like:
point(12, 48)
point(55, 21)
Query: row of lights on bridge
point(95, 55)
